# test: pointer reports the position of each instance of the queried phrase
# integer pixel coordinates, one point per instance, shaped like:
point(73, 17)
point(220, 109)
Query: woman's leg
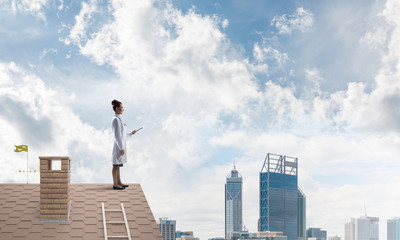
point(119, 178)
point(115, 174)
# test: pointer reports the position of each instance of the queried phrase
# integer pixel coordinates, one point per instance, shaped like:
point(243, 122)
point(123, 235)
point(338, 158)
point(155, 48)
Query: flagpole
point(27, 167)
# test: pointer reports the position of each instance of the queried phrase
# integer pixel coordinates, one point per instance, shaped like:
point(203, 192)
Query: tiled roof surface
point(20, 212)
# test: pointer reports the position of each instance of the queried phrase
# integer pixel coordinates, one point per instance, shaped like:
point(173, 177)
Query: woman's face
point(119, 110)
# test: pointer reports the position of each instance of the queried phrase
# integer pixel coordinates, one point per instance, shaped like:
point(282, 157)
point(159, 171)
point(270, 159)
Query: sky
point(212, 83)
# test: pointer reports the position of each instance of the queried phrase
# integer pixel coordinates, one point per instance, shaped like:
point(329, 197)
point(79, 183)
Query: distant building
point(279, 196)
point(367, 228)
point(187, 233)
point(393, 229)
point(316, 234)
point(301, 201)
point(267, 235)
point(362, 228)
point(334, 238)
point(349, 230)
point(233, 203)
point(167, 228)
point(187, 238)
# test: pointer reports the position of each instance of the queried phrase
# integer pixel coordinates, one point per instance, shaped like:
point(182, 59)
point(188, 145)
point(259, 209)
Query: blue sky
point(211, 82)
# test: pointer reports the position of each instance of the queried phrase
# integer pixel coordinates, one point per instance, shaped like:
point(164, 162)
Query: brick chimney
point(54, 189)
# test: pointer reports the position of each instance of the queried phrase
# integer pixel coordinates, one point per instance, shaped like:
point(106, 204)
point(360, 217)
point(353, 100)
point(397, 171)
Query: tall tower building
point(233, 203)
point(362, 228)
point(167, 228)
point(393, 229)
point(279, 195)
point(349, 228)
point(301, 230)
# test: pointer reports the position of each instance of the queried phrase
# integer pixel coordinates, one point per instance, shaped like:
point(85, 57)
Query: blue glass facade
point(317, 233)
point(393, 229)
point(279, 196)
point(301, 200)
point(233, 204)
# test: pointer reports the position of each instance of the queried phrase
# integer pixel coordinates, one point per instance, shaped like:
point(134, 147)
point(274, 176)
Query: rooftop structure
point(22, 210)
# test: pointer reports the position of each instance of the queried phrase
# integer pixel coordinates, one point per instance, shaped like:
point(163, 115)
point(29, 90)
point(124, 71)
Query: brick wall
point(54, 188)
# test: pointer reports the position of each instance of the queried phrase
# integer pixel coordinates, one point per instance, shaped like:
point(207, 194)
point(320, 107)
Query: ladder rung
point(115, 222)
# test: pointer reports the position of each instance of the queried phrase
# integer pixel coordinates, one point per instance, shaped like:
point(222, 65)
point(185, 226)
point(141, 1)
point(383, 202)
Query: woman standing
point(119, 149)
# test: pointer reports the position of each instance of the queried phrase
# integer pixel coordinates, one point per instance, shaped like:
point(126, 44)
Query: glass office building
point(233, 203)
point(393, 229)
point(301, 200)
point(317, 233)
point(279, 195)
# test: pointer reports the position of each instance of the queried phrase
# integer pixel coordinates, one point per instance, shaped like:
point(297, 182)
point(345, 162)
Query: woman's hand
point(122, 152)
point(133, 132)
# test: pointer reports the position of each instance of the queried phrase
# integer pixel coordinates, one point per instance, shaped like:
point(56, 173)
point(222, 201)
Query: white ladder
point(115, 222)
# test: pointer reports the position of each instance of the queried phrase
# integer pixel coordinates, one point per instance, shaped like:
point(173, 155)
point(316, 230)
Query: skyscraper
point(279, 195)
point(349, 228)
point(367, 228)
point(362, 228)
point(301, 200)
point(393, 229)
point(233, 203)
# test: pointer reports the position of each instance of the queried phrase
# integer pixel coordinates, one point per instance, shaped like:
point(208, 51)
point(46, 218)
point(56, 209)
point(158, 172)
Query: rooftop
point(20, 213)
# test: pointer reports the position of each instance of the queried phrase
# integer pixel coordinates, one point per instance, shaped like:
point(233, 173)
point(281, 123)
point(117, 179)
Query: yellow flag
point(21, 148)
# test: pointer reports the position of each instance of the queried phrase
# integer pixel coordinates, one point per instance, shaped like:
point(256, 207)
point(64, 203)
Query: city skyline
point(210, 82)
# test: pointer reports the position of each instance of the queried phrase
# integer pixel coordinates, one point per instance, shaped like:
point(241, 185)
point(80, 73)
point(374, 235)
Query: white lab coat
point(119, 131)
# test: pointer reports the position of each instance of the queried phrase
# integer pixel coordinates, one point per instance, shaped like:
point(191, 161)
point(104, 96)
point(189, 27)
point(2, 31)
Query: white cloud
point(82, 20)
point(61, 6)
point(301, 20)
point(263, 52)
point(47, 51)
point(375, 39)
point(37, 117)
point(34, 7)
point(225, 23)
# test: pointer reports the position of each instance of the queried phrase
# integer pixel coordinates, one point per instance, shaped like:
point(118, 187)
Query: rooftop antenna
point(234, 164)
point(365, 208)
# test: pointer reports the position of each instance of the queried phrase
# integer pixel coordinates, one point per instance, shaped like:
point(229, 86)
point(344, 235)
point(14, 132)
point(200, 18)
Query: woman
point(119, 149)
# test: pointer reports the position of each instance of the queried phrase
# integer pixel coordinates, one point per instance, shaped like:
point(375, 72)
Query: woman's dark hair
point(116, 104)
